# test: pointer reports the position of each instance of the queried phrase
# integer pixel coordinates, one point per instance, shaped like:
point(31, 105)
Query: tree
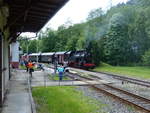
point(119, 36)
point(48, 41)
point(32, 46)
point(116, 47)
point(94, 49)
point(95, 13)
point(140, 37)
point(146, 58)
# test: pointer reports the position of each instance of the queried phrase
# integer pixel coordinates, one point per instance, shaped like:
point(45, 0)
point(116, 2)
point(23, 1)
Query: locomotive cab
point(81, 59)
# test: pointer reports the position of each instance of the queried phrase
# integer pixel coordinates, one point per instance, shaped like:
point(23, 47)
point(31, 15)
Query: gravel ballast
point(110, 105)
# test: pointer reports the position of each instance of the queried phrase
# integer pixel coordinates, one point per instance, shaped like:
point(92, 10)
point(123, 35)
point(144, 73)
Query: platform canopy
point(30, 15)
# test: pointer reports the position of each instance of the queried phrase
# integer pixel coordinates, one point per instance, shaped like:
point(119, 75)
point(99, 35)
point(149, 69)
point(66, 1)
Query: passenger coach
point(78, 59)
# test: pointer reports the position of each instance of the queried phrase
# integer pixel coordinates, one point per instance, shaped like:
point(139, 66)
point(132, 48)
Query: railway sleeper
point(142, 103)
point(147, 106)
point(147, 109)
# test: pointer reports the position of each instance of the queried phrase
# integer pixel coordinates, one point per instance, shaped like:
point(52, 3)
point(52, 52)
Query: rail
point(129, 79)
point(123, 78)
point(137, 101)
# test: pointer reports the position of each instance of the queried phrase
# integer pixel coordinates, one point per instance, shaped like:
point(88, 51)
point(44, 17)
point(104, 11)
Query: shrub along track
point(137, 101)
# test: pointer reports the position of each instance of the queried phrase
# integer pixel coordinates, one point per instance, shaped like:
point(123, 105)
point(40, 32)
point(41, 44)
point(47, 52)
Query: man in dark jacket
point(26, 64)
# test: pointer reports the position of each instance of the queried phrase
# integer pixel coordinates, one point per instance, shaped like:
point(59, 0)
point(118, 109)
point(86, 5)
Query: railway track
point(123, 78)
point(137, 101)
point(129, 79)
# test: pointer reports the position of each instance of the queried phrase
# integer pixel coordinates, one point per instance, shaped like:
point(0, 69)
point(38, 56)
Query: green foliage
point(93, 48)
point(32, 47)
point(134, 71)
point(116, 46)
point(47, 41)
point(56, 77)
point(95, 13)
point(141, 39)
point(119, 37)
point(146, 58)
point(22, 67)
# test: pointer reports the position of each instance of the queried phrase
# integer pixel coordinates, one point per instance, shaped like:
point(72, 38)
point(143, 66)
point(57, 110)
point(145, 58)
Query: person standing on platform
point(26, 64)
point(30, 66)
point(60, 72)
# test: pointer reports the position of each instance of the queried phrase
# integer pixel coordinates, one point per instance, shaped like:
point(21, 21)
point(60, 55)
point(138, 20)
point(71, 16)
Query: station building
point(14, 55)
point(17, 16)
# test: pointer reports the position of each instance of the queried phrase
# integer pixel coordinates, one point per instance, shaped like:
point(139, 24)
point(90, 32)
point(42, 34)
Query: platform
point(40, 78)
point(17, 99)
point(67, 83)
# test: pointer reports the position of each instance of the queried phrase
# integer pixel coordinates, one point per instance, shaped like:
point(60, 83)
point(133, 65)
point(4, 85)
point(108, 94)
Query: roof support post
point(1, 91)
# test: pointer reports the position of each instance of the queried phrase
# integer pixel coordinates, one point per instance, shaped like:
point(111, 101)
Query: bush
point(146, 58)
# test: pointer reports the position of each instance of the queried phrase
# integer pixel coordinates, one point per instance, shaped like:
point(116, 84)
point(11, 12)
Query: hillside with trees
point(120, 36)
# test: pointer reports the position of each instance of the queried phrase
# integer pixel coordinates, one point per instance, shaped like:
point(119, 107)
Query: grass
point(22, 67)
point(63, 99)
point(56, 77)
point(136, 71)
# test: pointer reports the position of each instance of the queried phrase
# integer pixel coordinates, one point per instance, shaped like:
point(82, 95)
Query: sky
point(77, 11)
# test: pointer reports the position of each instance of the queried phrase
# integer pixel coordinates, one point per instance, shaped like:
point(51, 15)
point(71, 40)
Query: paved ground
point(40, 78)
point(17, 99)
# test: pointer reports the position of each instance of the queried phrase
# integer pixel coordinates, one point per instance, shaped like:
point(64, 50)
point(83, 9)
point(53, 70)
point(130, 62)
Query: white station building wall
point(14, 54)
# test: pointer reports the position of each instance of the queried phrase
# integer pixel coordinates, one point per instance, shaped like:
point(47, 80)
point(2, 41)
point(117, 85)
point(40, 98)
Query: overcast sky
point(77, 11)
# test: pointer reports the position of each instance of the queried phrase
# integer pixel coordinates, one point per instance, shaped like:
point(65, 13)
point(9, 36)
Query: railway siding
point(119, 77)
point(123, 95)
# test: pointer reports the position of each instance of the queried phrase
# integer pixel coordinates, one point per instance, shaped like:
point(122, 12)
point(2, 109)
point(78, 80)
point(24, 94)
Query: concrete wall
point(4, 59)
point(5, 64)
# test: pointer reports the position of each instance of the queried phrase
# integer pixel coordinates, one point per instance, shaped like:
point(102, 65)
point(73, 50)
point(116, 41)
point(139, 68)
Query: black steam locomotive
point(78, 59)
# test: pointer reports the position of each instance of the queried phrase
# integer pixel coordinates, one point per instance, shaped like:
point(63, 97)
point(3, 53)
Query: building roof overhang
point(30, 15)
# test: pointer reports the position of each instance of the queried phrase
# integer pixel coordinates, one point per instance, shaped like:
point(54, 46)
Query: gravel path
point(110, 105)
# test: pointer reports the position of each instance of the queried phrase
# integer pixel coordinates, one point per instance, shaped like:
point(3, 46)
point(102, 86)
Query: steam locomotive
point(78, 59)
